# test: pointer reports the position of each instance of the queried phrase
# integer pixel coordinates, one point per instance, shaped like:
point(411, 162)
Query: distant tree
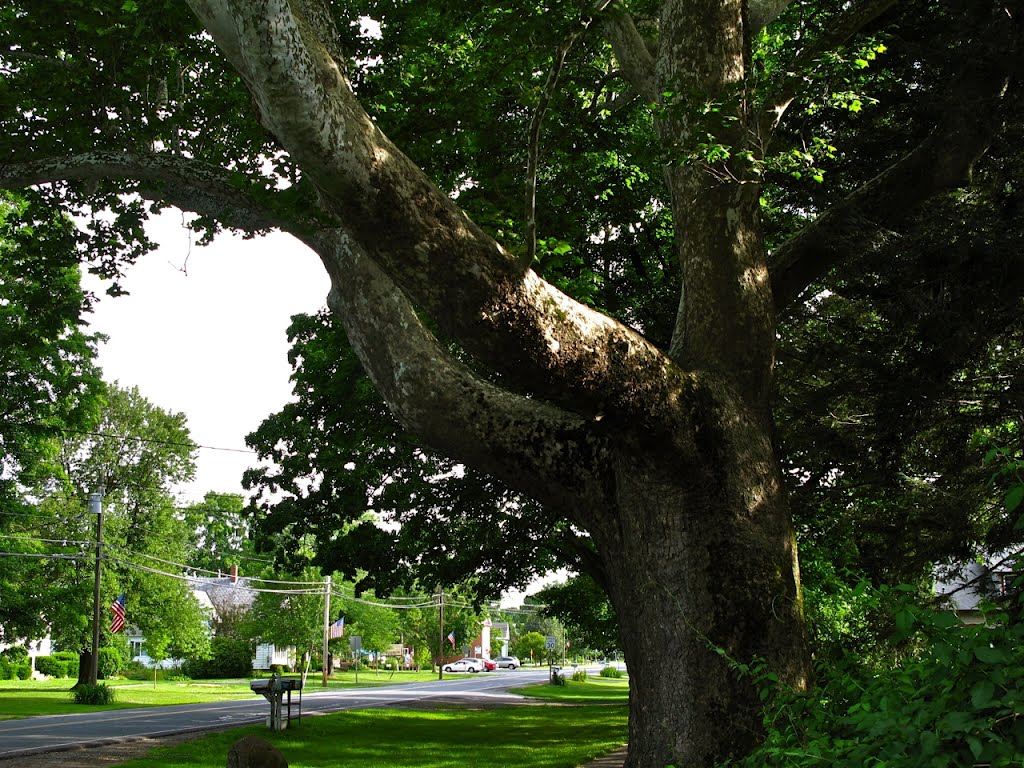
point(135, 453)
point(49, 384)
point(583, 608)
point(378, 626)
point(530, 648)
point(220, 531)
point(290, 615)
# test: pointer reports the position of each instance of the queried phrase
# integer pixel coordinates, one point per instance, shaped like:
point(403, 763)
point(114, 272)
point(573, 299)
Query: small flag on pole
point(451, 638)
point(117, 607)
point(337, 629)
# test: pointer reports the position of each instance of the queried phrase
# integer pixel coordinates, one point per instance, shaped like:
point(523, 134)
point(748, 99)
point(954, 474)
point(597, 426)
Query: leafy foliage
point(94, 695)
point(586, 613)
point(955, 699)
point(339, 454)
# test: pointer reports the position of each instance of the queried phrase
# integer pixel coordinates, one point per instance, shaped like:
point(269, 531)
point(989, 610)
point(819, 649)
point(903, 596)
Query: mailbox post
point(273, 690)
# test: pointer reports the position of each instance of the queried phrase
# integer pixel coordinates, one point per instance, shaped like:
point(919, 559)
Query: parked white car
point(465, 665)
point(507, 661)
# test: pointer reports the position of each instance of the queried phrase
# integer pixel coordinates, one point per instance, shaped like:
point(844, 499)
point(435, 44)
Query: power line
point(89, 433)
point(44, 555)
point(62, 542)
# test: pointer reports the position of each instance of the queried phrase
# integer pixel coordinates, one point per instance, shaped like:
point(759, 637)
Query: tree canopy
point(698, 176)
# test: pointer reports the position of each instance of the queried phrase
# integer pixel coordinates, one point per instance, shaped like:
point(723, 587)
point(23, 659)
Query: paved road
point(56, 732)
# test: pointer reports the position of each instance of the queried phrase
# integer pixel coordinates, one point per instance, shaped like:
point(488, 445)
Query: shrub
point(16, 654)
point(955, 700)
point(6, 671)
point(23, 671)
point(580, 675)
point(93, 694)
point(557, 678)
point(136, 670)
point(52, 666)
point(113, 661)
point(610, 672)
point(230, 658)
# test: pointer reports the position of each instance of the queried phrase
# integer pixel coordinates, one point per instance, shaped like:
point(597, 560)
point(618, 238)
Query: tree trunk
point(702, 572)
point(84, 659)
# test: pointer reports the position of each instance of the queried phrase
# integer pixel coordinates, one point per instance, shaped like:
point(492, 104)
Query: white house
point(219, 596)
point(967, 586)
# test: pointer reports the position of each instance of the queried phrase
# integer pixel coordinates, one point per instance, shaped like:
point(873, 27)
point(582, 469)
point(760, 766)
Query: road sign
point(550, 642)
point(355, 642)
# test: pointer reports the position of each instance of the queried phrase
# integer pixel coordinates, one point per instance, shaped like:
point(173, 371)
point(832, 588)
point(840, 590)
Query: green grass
point(593, 691)
point(26, 698)
point(511, 737)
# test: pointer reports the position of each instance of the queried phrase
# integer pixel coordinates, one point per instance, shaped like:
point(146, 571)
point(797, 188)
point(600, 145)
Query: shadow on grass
point(514, 737)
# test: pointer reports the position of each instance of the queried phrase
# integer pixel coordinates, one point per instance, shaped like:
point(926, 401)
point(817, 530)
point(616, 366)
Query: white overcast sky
point(203, 332)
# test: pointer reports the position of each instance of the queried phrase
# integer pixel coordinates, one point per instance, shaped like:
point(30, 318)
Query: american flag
point(451, 639)
point(117, 607)
point(337, 629)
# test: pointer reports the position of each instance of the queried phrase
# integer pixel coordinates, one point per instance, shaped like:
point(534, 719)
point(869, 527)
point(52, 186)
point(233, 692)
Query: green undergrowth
point(955, 698)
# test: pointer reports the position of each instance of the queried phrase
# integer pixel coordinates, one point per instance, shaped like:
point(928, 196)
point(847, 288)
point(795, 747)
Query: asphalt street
point(56, 732)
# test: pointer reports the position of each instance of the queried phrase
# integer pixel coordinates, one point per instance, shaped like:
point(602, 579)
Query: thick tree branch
point(761, 13)
point(538, 449)
point(544, 342)
point(630, 49)
point(188, 184)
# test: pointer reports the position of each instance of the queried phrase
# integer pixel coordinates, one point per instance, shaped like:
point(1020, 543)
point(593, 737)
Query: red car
point(489, 666)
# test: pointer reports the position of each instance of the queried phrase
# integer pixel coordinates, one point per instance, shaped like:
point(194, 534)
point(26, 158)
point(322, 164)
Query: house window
point(136, 648)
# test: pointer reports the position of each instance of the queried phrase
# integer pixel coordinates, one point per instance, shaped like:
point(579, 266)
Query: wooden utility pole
point(96, 508)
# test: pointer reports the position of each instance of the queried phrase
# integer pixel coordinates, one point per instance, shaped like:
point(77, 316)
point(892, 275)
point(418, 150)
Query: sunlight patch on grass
point(513, 737)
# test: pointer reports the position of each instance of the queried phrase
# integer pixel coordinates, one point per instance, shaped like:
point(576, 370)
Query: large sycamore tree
point(659, 446)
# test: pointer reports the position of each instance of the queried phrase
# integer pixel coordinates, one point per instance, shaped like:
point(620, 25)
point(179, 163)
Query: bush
point(93, 694)
point(230, 658)
point(113, 661)
point(6, 671)
point(136, 670)
point(53, 667)
point(580, 675)
point(23, 671)
point(15, 654)
point(955, 698)
point(611, 672)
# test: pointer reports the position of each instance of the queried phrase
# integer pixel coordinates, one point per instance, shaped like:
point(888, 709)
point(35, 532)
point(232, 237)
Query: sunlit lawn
point(25, 698)
point(593, 691)
point(537, 736)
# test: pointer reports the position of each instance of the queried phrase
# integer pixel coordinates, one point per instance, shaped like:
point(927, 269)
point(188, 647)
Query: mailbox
point(273, 690)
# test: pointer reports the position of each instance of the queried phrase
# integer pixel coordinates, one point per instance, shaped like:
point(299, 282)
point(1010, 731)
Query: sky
point(204, 332)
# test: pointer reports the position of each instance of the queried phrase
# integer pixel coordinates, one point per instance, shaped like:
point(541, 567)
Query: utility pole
point(440, 638)
point(327, 623)
point(96, 508)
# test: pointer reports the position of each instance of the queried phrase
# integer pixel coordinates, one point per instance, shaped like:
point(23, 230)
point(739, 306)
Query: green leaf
point(990, 655)
point(976, 746)
point(981, 695)
point(1014, 497)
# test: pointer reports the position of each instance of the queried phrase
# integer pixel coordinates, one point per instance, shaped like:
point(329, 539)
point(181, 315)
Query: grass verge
point(591, 691)
point(512, 737)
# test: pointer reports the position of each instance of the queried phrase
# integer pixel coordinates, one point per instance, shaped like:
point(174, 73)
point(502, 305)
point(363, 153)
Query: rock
point(254, 752)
